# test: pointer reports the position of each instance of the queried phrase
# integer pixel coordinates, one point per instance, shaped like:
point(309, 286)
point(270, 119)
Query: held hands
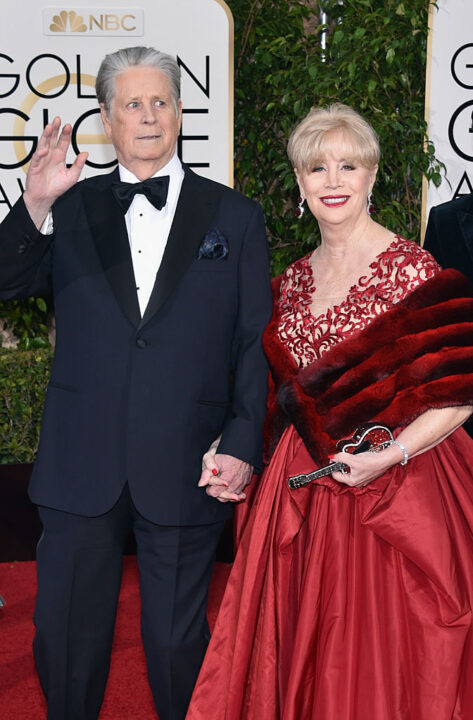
point(224, 476)
point(48, 175)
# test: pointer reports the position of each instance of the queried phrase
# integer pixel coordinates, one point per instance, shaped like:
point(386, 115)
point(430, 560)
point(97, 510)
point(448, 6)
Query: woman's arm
point(423, 433)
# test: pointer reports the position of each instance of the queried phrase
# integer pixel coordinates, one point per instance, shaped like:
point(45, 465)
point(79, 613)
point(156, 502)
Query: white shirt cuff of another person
point(148, 228)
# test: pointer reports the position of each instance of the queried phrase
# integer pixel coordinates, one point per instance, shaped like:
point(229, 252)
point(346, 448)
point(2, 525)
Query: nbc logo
point(76, 22)
point(93, 21)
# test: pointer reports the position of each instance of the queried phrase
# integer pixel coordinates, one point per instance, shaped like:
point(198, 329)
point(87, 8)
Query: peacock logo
point(60, 22)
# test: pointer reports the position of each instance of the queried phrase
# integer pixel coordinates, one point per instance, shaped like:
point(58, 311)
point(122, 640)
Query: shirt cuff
point(48, 226)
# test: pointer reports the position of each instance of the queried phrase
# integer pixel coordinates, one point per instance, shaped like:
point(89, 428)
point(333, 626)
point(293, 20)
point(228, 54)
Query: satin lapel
point(465, 220)
point(194, 212)
point(108, 228)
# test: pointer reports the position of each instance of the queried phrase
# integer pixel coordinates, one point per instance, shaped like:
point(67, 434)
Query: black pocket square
point(214, 246)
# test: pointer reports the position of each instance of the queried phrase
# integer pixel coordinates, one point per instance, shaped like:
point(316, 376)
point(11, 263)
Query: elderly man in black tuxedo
point(161, 292)
point(449, 237)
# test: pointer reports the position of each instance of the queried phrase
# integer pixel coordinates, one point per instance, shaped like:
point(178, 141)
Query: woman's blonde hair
point(325, 127)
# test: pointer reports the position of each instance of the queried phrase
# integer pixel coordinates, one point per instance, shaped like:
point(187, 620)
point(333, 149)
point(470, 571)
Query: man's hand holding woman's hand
point(224, 476)
point(48, 175)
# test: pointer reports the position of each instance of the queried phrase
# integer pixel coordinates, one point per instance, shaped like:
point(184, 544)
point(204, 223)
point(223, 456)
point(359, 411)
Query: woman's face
point(336, 189)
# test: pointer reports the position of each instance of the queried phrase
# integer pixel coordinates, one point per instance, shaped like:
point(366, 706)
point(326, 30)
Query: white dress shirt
point(148, 228)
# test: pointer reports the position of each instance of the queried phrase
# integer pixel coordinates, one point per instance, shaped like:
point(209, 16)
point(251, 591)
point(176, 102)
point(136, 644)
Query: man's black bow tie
point(155, 189)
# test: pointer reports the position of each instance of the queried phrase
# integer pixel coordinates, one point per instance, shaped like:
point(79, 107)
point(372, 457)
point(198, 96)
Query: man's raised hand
point(48, 175)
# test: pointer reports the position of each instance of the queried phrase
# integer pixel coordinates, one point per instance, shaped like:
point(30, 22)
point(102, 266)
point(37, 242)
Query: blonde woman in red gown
point(351, 598)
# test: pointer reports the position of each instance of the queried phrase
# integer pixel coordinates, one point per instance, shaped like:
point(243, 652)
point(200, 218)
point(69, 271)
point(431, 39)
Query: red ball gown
point(355, 603)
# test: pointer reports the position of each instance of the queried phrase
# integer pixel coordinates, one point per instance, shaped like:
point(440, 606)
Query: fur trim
point(416, 356)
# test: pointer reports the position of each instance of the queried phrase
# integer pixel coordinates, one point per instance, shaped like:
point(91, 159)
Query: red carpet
point(128, 696)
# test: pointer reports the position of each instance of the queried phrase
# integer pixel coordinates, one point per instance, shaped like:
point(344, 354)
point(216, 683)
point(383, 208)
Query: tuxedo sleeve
point(242, 435)
point(432, 238)
point(25, 256)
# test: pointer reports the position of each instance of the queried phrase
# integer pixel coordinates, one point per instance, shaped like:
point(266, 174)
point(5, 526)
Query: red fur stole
point(416, 356)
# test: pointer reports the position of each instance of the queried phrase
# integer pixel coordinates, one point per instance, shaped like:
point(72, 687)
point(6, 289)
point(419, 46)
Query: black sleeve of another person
point(449, 237)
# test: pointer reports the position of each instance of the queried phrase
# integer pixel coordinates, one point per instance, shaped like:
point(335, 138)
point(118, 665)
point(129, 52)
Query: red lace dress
point(356, 606)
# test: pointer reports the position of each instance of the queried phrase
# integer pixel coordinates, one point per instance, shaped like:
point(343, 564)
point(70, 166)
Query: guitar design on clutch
point(369, 437)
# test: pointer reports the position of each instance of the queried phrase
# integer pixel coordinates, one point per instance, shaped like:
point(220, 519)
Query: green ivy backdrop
point(374, 60)
point(23, 379)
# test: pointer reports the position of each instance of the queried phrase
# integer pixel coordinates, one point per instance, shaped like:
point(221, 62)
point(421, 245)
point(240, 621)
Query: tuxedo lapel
point(108, 228)
point(194, 212)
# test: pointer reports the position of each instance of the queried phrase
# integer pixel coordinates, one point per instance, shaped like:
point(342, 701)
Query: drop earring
point(300, 207)
point(369, 204)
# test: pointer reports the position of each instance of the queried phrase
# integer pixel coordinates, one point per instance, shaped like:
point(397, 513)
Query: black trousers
point(79, 561)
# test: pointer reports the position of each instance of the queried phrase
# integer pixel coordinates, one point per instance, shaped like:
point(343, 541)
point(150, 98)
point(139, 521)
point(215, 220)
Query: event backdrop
point(449, 97)
point(49, 56)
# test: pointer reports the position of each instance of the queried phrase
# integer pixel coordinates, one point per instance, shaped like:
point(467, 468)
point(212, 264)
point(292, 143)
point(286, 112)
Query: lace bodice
point(393, 274)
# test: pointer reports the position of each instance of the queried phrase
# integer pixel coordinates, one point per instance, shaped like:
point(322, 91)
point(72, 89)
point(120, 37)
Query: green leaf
point(313, 71)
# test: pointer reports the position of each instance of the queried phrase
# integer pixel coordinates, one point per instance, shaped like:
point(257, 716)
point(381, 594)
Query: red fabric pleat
point(349, 604)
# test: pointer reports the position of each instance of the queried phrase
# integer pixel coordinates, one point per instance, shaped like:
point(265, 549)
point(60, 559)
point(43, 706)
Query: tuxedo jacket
point(449, 235)
point(140, 399)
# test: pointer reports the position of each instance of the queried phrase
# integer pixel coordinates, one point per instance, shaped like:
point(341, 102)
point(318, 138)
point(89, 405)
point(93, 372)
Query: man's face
point(142, 123)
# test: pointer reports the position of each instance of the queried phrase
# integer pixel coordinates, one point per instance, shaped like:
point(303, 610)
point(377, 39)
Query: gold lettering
point(129, 29)
point(112, 22)
point(93, 20)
